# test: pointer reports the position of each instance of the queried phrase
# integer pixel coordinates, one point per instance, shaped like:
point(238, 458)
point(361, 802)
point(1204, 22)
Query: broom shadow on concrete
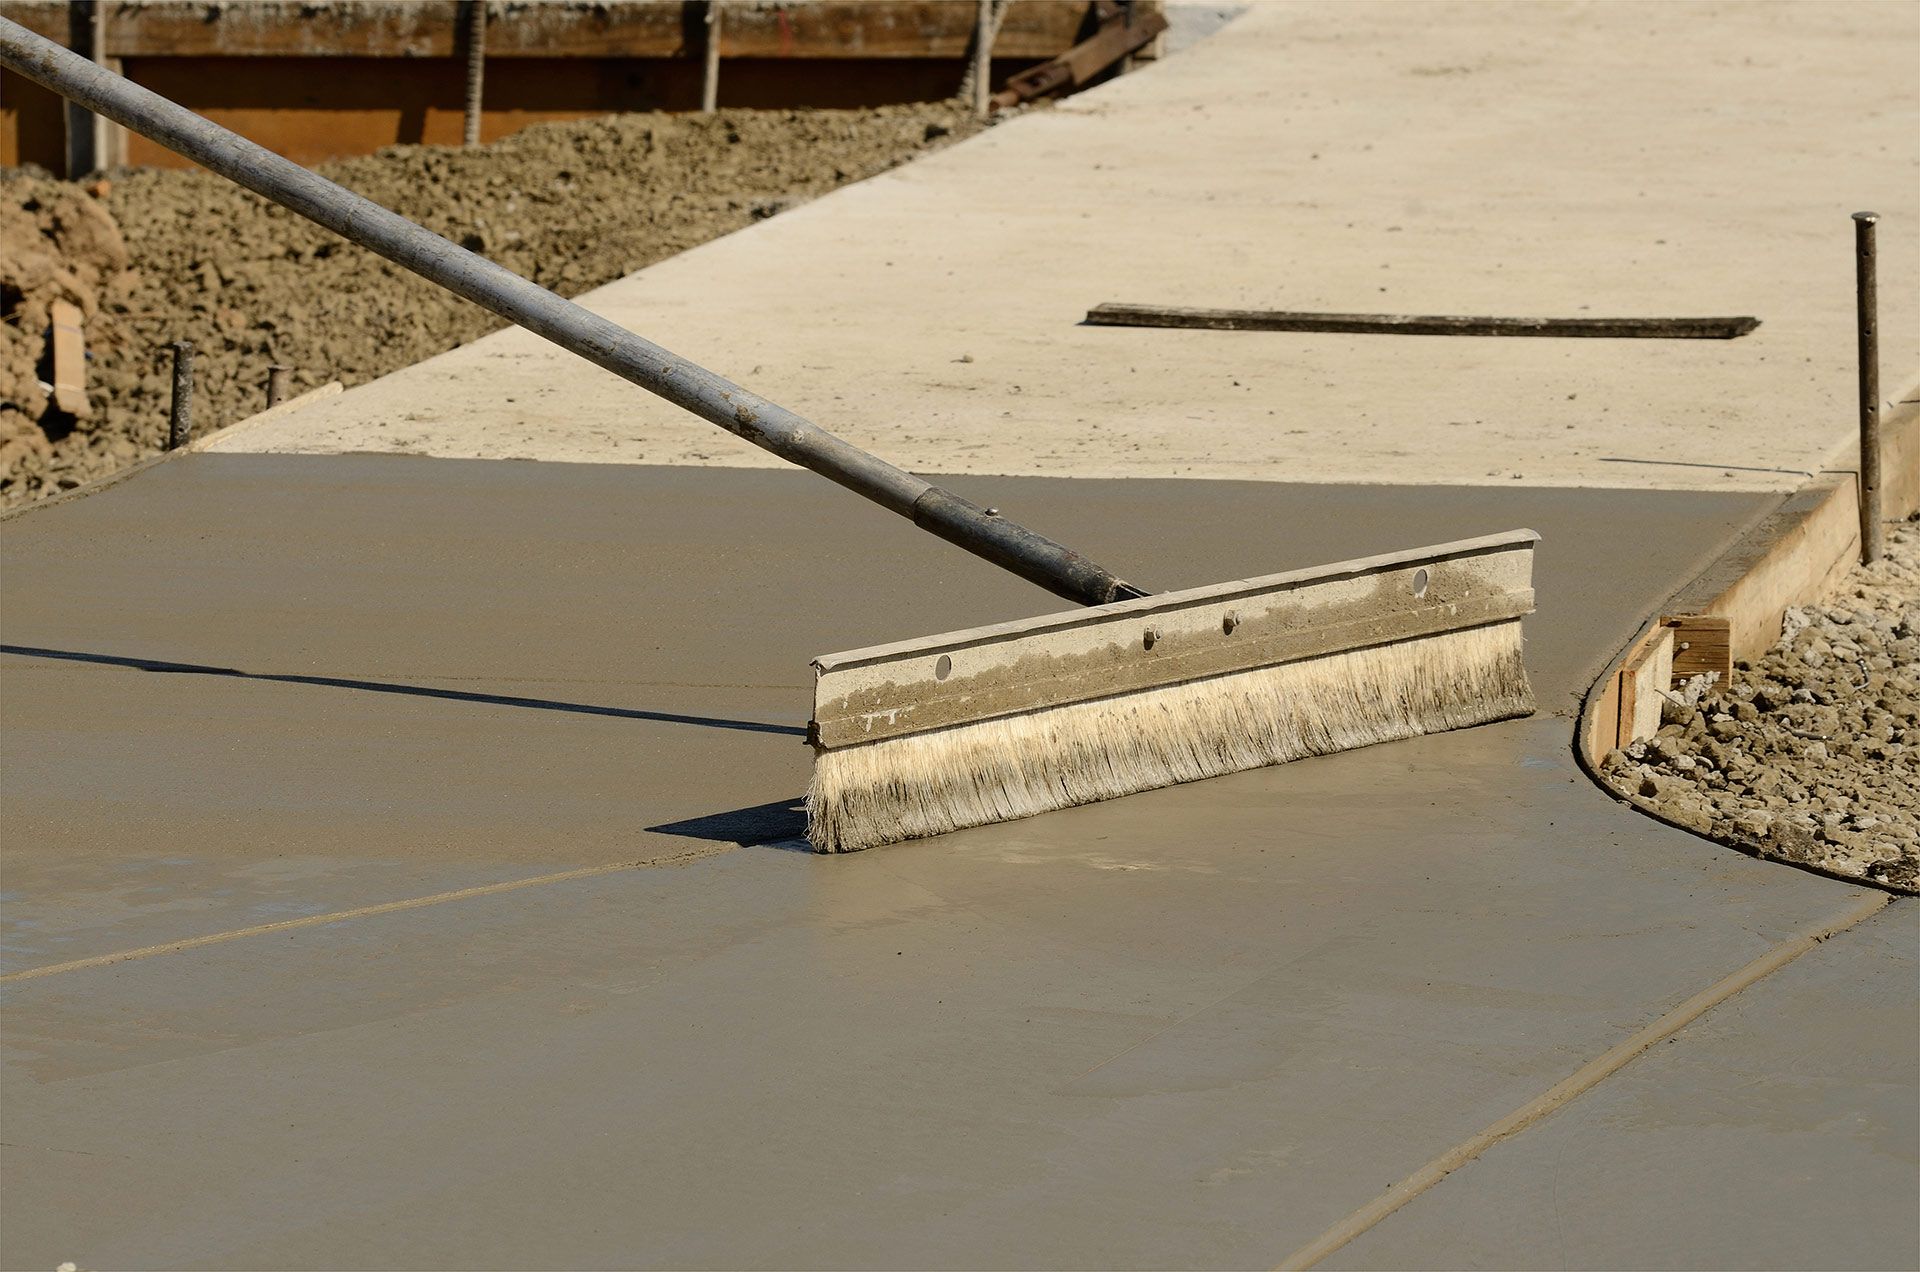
point(780, 824)
point(166, 667)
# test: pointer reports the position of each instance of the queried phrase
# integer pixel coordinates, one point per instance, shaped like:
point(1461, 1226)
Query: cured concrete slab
point(1193, 1027)
point(1790, 1109)
point(1460, 157)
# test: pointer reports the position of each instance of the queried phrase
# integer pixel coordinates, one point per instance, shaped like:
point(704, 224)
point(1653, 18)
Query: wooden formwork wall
point(319, 79)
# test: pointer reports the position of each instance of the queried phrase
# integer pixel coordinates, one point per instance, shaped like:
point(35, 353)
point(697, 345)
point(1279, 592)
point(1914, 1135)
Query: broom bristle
point(998, 770)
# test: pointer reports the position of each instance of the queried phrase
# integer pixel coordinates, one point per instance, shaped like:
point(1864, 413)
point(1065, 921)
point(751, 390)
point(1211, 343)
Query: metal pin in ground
point(1867, 306)
point(180, 411)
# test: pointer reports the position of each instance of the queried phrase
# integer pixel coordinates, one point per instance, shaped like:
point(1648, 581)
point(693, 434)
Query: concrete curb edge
point(1785, 558)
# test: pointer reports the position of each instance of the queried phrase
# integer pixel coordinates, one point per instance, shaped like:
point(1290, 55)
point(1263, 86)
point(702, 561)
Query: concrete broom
point(986, 725)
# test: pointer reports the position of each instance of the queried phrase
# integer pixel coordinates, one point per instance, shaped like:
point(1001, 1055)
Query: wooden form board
point(1702, 643)
point(1644, 680)
point(1120, 36)
point(1733, 610)
point(1792, 556)
point(1116, 314)
point(393, 70)
point(1032, 29)
point(1626, 709)
point(1900, 458)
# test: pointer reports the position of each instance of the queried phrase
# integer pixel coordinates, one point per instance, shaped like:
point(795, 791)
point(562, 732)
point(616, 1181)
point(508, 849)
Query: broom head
point(1007, 721)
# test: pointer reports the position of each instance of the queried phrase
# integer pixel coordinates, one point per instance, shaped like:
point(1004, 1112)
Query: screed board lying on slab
point(1119, 315)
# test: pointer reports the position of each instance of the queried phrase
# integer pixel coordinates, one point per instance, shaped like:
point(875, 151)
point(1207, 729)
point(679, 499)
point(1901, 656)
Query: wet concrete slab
point(249, 666)
point(1790, 1110)
point(1076, 1044)
point(1194, 1027)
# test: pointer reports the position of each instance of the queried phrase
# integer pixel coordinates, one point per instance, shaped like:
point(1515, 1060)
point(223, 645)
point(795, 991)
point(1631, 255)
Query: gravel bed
point(1812, 754)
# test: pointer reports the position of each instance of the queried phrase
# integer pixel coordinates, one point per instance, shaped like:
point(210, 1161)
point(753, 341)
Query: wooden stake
point(69, 360)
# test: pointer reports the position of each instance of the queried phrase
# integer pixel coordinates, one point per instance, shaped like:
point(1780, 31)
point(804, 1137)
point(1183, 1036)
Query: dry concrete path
point(1203, 1026)
point(1517, 158)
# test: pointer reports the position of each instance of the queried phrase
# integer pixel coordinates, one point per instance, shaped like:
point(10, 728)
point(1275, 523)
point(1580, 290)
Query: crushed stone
point(151, 256)
point(1812, 754)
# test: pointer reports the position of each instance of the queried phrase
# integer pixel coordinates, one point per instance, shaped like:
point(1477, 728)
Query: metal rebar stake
point(710, 75)
point(277, 376)
point(83, 132)
point(982, 72)
point(180, 416)
point(476, 66)
point(976, 86)
point(1872, 533)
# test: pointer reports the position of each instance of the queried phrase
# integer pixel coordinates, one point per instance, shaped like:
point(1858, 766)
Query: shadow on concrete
point(763, 825)
point(412, 691)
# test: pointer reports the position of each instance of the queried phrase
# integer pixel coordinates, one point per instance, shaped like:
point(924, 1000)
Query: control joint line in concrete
point(1576, 1084)
point(364, 912)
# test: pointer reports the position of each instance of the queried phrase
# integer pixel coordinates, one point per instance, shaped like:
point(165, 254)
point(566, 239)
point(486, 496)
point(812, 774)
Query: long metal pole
point(691, 387)
point(1866, 295)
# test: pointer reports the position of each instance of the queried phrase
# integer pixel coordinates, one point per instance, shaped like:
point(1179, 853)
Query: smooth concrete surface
point(531, 665)
point(1459, 157)
point(1194, 1027)
point(1779, 1131)
point(1076, 1045)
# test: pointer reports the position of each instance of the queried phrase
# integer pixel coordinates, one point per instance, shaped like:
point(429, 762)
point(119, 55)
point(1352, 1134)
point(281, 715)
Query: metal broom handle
point(711, 397)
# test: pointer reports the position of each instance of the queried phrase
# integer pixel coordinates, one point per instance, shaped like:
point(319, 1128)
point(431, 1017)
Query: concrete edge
point(93, 487)
point(1785, 558)
point(138, 466)
point(332, 388)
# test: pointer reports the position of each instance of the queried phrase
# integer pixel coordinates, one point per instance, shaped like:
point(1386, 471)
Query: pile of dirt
point(570, 205)
point(1813, 754)
point(56, 243)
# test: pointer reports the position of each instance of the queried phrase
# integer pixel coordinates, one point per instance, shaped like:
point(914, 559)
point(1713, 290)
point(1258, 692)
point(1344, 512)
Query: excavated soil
point(154, 256)
point(1811, 755)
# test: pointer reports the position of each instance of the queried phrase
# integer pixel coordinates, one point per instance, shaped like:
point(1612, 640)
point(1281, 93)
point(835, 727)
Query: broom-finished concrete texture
point(1523, 159)
point(1195, 1027)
